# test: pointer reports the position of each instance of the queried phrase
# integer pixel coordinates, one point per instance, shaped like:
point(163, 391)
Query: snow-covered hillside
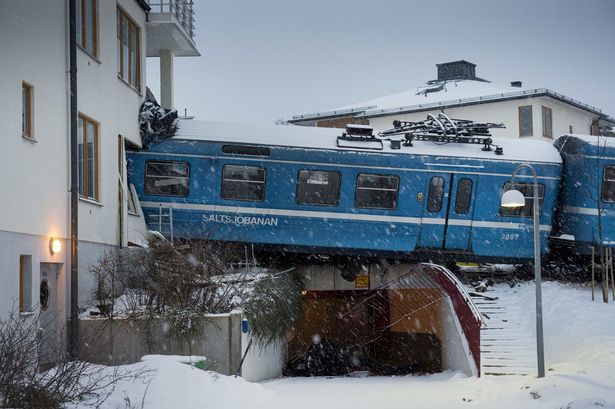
point(580, 353)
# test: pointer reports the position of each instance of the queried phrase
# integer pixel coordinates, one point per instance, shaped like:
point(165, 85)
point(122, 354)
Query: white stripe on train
point(341, 216)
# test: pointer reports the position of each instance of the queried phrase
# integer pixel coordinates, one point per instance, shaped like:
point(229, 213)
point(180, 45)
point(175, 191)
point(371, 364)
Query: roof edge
point(330, 114)
point(538, 92)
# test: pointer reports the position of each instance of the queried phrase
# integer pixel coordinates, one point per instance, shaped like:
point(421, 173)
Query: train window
point(246, 150)
point(464, 196)
point(167, 178)
point(528, 192)
point(243, 183)
point(376, 191)
point(435, 194)
point(318, 187)
point(608, 184)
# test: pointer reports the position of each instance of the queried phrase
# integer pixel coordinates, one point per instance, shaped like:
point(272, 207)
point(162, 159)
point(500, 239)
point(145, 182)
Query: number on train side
point(509, 236)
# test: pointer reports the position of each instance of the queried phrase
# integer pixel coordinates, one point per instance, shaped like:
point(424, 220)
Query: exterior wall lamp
point(55, 246)
point(512, 199)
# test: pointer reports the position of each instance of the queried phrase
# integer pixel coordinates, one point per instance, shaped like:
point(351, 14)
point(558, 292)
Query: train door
point(446, 221)
point(458, 227)
point(435, 205)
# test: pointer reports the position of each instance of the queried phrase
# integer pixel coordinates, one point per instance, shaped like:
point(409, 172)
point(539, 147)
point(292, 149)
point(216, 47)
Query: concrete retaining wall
point(125, 341)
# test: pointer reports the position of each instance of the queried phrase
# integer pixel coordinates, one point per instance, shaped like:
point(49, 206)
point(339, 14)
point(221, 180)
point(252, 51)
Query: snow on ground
point(580, 349)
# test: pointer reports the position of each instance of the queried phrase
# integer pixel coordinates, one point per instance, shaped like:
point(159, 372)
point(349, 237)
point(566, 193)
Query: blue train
point(586, 208)
point(315, 191)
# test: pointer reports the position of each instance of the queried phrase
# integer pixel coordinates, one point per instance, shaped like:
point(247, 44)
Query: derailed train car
point(298, 189)
point(586, 211)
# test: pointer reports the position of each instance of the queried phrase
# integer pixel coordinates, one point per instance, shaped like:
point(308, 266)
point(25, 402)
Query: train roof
point(585, 144)
point(527, 150)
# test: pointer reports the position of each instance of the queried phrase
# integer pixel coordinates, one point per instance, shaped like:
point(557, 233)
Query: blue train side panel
point(465, 221)
point(587, 207)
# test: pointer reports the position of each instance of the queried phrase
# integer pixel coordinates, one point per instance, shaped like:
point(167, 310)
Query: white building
point(113, 40)
point(459, 93)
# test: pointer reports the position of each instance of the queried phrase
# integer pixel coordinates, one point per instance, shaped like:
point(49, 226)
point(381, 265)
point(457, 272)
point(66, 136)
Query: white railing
point(182, 10)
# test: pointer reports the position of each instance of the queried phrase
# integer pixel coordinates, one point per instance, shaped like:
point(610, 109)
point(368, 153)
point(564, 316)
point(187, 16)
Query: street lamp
point(514, 199)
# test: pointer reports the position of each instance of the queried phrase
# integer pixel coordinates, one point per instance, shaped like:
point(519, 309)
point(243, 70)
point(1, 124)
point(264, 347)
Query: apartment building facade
point(112, 43)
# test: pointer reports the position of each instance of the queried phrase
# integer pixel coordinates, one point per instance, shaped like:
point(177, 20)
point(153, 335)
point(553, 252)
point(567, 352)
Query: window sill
point(90, 201)
point(89, 54)
point(129, 85)
point(29, 138)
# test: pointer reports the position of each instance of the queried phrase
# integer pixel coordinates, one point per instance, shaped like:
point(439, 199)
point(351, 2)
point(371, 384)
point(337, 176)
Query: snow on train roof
point(593, 140)
point(326, 138)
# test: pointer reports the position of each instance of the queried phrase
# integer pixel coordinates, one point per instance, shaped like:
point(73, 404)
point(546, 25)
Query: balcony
point(170, 27)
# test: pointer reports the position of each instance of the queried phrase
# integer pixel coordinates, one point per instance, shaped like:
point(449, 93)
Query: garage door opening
point(417, 321)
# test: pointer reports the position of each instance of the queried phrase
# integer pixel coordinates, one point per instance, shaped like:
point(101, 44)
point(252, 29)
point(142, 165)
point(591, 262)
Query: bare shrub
point(182, 282)
point(24, 383)
point(176, 283)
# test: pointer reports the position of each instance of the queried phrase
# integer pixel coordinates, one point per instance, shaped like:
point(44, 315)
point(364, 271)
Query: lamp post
point(513, 199)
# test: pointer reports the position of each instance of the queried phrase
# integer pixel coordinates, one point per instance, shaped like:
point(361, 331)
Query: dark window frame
point(358, 188)
point(263, 182)
point(85, 190)
point(27, 114)
point(25, 283)
point(611, 199)
point(522, 131)
point(467, 204)
point(131, 38)
point(83, 31)
point(429, 197)
point(339, 188)
point(168, 162)
point(528, 192)
point(547, 122)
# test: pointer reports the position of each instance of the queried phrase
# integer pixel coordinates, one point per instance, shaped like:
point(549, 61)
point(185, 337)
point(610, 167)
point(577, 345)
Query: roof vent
point(516, 84)
point(456, 70)
point(359, 136)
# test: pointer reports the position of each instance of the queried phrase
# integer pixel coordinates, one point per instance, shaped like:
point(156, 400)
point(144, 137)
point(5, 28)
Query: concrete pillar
point(166, 79)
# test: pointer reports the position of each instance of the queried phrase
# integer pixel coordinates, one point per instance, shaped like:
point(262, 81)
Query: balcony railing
point(181, 9)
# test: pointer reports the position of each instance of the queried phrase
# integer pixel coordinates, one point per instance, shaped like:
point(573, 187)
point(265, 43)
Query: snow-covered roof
point(437, 92)
point(529, 150)
point(441, 95)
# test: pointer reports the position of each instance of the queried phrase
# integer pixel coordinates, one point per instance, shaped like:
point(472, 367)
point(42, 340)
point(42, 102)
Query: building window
point(547, 122)
point(128, 50)
point(608, 184)
point(87, 26)
point(243, 183)
point(464, 196)
point(435, 194)
point(25, 283)
point(570, 130)
point(318, 187)
point(167, 178)
point(526, 126)
point(88, 157)
point(528, 192)
point(27, 96)
point(376, 191)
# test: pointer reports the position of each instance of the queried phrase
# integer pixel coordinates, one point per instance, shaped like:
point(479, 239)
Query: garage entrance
point(412, 322)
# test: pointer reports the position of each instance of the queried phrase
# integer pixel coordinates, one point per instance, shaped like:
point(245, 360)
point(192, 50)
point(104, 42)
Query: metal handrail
point(182, 10)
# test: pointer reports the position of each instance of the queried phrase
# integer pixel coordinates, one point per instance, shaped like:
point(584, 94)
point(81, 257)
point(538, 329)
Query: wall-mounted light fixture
point(55, 245)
